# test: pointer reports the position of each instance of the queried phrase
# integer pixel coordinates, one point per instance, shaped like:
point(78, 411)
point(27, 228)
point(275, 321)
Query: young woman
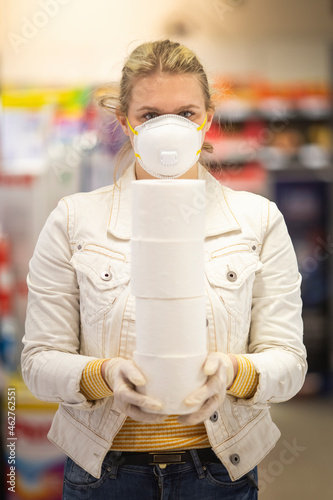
point(80, 326)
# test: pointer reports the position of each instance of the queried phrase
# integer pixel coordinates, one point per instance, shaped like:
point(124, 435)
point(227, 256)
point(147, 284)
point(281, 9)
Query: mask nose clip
point(169, 158)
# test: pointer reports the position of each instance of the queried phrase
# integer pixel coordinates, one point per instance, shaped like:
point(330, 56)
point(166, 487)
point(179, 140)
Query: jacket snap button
point(214, 417)
point(231, 276)
point(106, 275)
point(207, 322)
point(234, 459)
point(79, 247)
point(254, 248)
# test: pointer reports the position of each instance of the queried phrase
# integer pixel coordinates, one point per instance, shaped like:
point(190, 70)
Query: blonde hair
point(162, 56)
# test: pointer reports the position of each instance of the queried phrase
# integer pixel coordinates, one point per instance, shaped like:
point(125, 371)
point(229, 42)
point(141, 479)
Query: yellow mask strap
point(136, 133)
point(200, 128)
point(203, 124)
point(132, 129)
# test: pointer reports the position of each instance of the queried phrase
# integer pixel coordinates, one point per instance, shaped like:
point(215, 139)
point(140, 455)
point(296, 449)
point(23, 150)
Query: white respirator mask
point(167, 146)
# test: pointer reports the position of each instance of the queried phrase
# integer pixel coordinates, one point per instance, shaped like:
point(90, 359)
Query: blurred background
point(272, 65)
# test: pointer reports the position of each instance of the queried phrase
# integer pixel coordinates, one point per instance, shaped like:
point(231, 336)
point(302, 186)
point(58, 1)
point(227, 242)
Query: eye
point(186, 114)
point(150, 116)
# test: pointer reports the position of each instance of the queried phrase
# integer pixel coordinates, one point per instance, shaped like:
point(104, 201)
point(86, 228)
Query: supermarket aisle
point(300, 466)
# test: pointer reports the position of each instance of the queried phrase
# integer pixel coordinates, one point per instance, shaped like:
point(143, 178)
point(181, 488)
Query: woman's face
point(161, 94)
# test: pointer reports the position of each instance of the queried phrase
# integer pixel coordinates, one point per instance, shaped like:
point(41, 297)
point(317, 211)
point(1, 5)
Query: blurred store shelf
point(33, 466)
point(274, 140)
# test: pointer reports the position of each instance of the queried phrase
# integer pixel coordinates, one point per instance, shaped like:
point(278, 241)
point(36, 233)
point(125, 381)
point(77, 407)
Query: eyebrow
point(156, 110)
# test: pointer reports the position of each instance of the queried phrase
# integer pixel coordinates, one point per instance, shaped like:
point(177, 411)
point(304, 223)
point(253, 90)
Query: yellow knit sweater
point(170, 434)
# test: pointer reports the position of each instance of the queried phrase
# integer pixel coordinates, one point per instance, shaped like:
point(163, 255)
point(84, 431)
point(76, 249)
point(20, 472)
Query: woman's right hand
point(122, 375)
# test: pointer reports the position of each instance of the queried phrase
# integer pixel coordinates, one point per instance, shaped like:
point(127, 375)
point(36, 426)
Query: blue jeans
point(189, 481)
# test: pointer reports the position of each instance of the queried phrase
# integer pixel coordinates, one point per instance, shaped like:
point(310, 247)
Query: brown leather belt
point(164, 458)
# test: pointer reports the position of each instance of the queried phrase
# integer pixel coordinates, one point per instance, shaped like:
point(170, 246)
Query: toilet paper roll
point(171, 327)
point(171, 379)
point(167, 269)
point(168, 209)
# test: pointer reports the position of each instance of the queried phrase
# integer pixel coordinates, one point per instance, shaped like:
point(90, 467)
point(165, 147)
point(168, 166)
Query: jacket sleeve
point(276, 334)
point(51, 364)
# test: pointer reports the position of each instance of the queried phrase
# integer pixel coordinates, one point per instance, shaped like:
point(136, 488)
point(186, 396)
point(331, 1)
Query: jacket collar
point(219, 216)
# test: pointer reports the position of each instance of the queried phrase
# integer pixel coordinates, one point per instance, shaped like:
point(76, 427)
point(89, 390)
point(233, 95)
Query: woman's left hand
point(221, 370)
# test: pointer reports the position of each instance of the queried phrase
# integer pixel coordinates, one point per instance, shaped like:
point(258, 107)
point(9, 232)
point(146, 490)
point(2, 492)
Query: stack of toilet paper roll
point(167, 279)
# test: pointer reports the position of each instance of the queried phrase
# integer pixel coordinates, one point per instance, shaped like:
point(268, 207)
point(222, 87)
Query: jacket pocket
point(102, 277)
point(243, 411)
point(231, 273)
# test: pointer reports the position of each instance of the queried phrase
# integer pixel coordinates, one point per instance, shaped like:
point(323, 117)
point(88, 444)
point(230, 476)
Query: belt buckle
point(166, 458)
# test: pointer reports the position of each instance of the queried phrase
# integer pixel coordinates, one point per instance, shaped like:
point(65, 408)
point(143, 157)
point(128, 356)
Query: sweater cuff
point(247, 379)
point(92, 384)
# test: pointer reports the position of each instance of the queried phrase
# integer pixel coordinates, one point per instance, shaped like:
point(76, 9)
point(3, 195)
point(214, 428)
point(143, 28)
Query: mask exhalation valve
point(168, 158)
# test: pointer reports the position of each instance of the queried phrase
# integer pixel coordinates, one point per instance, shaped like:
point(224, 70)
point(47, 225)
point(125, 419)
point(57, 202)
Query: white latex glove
point(122, 375)
point(220, 372)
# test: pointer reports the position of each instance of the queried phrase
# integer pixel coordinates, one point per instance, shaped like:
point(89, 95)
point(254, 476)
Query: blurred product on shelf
point(250, 177)
point(9, 348)
point(314, 156)
point(39, 465)
point(281, 126)
point(43, 122)
point(24, 206)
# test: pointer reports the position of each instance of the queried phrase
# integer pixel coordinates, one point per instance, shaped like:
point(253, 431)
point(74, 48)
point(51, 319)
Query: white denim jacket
point(77, 314)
